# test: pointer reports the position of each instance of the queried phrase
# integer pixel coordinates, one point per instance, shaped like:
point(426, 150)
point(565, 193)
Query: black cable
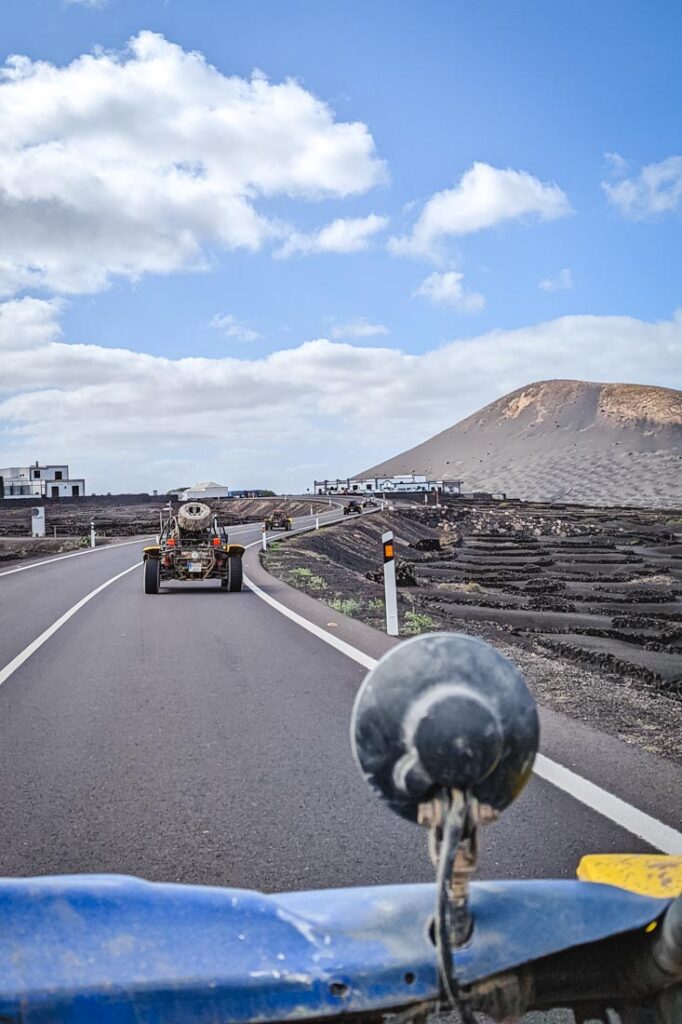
point(452, 829)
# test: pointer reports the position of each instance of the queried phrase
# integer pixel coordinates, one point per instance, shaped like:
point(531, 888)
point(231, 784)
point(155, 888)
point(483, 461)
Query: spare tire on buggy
point(194, 516)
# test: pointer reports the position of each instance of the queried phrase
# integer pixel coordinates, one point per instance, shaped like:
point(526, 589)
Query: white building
point(204, 491)
point(409, 483)
point(38, 481)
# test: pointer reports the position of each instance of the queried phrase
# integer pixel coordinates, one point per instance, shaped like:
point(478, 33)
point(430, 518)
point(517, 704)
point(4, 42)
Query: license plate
point(194, 567)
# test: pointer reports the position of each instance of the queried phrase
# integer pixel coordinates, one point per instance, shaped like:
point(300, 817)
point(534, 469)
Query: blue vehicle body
point(118, 949)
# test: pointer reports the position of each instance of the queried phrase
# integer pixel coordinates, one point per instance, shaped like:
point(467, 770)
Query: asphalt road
point(202, 736)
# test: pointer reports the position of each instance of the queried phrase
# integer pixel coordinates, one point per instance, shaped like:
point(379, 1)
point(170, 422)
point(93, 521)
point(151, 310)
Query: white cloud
point(28, 324)
point(656, 190)
point(562, 282)
point(230, 327)
point(447, 290)
point(128, 420)
point(483, 197)
point(147, 160)
point(359, 328)
point(346, 234)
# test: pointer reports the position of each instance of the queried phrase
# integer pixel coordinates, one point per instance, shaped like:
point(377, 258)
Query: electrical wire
point(454, 819)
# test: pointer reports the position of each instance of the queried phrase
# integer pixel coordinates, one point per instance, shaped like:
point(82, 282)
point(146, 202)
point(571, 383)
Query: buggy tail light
point(171, 542)
point(216, 542)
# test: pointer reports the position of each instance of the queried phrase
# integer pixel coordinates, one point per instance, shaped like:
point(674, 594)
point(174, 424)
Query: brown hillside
point(562, 440)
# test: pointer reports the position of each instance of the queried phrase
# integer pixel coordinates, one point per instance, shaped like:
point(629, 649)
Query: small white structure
point(203, 491)
point(38, 521)
point(38, 481)
point(409, 483)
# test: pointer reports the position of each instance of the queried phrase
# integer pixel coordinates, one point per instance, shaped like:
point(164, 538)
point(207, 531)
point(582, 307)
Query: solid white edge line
point(662, 837)
point(15, 663)
point(351, 652)
point(654, 832)
point(75, 554)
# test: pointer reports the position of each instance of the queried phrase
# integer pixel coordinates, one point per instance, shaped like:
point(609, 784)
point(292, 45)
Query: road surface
point(201, 736)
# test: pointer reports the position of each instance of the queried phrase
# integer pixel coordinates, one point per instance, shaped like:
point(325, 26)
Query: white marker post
point(38, 521)
point(92, 533)
point(390, 593)
point(317, 522)
point(265, 538)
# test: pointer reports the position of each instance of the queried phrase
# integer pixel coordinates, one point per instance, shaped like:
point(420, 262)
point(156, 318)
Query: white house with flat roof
point(409, 483)
point(38, 481)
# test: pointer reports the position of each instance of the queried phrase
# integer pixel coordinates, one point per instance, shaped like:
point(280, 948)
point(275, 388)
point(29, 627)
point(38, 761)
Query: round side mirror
point(444, 711)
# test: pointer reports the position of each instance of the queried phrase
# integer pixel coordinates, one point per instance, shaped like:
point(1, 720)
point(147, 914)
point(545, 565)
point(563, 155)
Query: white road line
point(609, 806)
point(74, 554)
point(634, 821)
point(15, 663)
point(351, 652)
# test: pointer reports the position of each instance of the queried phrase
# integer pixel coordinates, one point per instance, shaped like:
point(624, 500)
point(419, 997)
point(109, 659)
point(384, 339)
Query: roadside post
point(38, 521)
point(264, 534)
point(390, 594)
point(317, 522)
point(92, 533)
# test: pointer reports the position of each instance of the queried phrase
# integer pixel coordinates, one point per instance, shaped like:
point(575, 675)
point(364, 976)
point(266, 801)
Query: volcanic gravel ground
point(587, 600)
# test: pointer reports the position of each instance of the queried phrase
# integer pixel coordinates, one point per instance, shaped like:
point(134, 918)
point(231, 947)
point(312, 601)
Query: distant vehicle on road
point(370, 503)
point(352, 508)
point(193, 545)
point(278, 520)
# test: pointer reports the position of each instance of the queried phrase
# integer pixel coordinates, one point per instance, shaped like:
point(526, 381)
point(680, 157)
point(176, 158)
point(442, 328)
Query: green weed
point(346, 605)
point(308, 578)
point(417, 622)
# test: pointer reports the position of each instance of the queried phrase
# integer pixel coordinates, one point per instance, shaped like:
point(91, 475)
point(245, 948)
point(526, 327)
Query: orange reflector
point(388, 551)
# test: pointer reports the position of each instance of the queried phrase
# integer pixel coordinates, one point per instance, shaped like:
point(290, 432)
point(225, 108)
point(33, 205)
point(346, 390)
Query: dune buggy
point(193, 545)
point(278, 520)
point(352, 508)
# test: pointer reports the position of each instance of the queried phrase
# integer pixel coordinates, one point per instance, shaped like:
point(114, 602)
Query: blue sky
point(544, 256)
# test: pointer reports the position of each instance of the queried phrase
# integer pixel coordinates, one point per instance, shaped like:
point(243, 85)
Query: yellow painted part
point(153, 549)
point(648, 875)
point(235, 549)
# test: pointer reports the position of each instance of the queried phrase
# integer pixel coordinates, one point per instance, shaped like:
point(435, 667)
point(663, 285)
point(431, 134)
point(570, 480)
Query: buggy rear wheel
point(235, 574)
point(152, 576)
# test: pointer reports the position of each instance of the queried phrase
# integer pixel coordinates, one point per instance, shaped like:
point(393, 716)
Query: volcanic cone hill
point(562, 440)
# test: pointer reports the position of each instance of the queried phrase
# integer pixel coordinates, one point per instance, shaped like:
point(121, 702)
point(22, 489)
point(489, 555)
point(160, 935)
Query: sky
point(269, 242)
